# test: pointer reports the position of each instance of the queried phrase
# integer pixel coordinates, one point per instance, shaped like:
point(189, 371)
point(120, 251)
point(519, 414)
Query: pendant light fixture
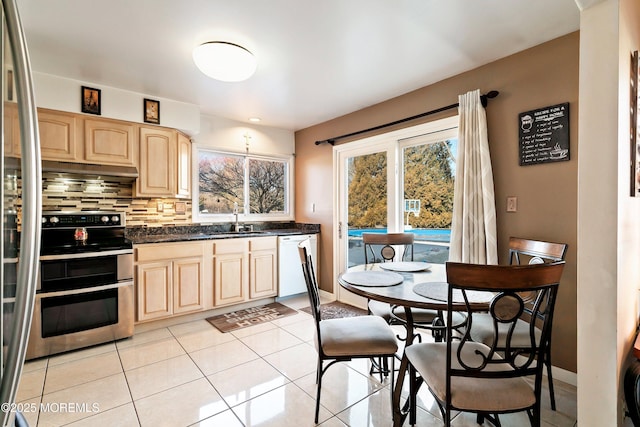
point(225, 61)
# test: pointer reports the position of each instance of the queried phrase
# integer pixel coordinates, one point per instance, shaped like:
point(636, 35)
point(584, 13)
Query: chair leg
point(552, 396)
point(318, 394)
point(392, 371)
point(414, 386)
point(380, 366)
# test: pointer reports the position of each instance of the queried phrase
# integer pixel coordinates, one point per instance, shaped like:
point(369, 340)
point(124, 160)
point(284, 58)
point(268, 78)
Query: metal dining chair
point(344, 339)
point(470, 376)
point(381, 247)
point(522, 251)
point(388, 247)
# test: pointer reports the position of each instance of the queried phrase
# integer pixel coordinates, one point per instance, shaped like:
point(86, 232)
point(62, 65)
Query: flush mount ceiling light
point(225, 61)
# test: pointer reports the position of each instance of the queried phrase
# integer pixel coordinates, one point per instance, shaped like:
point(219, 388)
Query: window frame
point(243, 216)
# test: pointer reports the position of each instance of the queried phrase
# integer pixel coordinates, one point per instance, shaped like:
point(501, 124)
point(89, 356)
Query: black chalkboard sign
point(544, 135)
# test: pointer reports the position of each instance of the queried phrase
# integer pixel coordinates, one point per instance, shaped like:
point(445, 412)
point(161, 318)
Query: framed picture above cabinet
point(90, 100)
point(151, 111)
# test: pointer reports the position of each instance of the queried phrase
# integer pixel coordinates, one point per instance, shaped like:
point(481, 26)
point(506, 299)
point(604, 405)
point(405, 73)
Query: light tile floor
point(190, 374)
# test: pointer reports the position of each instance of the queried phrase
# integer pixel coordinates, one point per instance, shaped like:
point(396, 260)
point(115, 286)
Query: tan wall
point(547, 194)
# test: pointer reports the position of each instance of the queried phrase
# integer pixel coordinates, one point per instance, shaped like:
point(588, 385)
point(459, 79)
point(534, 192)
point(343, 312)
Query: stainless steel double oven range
point(85, 293)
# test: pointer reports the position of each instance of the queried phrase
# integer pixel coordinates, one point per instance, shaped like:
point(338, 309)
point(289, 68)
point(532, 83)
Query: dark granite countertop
point(165, 234)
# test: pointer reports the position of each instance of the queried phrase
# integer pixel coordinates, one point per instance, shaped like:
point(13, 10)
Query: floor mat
point(250, 316)
point(336, 310)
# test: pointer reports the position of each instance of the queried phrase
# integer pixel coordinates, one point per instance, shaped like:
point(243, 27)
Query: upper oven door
point(66, 272)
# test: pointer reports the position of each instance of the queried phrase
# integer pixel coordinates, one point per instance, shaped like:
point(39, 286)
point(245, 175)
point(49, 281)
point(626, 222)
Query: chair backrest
point(379, 247)
point(537, 251)
point(312, 287)
point(511, 286)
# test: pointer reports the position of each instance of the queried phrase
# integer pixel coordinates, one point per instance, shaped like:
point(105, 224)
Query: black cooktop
point(104, 231)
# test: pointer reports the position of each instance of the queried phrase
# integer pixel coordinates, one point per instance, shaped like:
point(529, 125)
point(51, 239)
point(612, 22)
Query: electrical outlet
point(512, 204)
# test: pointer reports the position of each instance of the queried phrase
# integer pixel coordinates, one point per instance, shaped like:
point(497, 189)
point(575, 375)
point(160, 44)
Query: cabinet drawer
point(157, 251)
point(263, 243)
point(230, 246)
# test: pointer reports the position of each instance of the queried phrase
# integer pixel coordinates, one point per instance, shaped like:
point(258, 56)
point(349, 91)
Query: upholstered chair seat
point(506, 393)
point(363, 335)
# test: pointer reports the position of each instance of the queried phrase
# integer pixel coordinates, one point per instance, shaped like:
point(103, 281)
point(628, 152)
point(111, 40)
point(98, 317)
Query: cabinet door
point(11, 130)
point(157, 162)
point(262, 274)
point(187, 285)
point(59, 136)
point(184, 166)
point(109, 142)
point(154, 290)
point(230, 278)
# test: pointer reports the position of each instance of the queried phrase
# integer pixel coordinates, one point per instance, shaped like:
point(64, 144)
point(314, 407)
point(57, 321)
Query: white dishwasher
point(291, 280)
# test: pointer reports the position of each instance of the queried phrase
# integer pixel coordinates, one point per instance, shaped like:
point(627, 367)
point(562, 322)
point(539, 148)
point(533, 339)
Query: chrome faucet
point(235, 212)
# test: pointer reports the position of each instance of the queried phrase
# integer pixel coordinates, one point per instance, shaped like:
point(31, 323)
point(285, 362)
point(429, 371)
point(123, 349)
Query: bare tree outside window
point(225, 179)
point(221, 182)
point(266, 186)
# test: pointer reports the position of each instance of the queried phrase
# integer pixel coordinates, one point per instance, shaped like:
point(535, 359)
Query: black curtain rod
point(483, 98)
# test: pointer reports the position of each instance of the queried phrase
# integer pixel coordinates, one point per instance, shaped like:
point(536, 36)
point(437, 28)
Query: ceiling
point(316, 59)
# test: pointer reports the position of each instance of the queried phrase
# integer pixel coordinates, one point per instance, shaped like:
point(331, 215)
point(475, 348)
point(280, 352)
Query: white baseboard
point(563, 375)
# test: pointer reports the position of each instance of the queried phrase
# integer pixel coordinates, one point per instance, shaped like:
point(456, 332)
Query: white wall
point(59, 93)
point(597, 215)
point(628, 207)
point(608, 227)
point(64, 94)
point(229, 135)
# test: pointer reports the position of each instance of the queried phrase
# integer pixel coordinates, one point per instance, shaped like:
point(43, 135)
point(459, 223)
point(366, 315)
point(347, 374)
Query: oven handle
point(86, 255)
point(84, 290)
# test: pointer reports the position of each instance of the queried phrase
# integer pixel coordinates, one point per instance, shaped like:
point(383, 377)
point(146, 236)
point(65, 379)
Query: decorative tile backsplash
point(64, 192)
point(73, 193)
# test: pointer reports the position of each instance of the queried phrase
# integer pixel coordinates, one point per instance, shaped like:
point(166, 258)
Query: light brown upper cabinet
point(110, 142)
point(11, 130)
point(59, 134)
point(165, 163)
point(184, 166)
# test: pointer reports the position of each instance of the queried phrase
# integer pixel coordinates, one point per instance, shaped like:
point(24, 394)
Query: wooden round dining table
point(410, 285)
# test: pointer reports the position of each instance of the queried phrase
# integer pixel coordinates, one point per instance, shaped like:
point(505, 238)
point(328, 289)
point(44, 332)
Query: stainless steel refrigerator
point(21, 205)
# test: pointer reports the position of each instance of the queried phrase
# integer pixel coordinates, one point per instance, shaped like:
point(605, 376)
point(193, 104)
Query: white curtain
point(473, 230)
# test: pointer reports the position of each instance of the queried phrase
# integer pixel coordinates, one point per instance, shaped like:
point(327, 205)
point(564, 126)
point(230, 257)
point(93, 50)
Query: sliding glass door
point(399, 181)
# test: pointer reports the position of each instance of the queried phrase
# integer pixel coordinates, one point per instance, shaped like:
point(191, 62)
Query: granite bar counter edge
point(179, 233)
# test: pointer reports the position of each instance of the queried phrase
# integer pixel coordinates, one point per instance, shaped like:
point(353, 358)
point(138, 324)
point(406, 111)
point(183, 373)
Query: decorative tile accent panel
point(65, 193)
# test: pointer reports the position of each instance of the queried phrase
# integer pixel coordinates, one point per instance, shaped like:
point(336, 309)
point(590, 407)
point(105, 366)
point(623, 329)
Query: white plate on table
point(405, 266)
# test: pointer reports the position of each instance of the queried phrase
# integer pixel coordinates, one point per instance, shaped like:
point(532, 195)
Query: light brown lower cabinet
point(154, 290)
point(188, 285)
point(169, 279)
point(263, 270)
point(230, 271)
point(185, 277)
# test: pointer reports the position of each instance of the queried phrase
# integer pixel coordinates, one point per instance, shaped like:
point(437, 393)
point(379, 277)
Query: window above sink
point(260, 186)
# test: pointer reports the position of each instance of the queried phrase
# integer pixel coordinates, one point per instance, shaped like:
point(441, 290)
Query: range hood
point(85, 170)
point(90, 169)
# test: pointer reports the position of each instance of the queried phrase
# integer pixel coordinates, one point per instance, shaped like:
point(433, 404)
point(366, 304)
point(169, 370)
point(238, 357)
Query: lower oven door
point(68, 320)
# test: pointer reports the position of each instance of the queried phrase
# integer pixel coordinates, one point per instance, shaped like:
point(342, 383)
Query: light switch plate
point(512, 204)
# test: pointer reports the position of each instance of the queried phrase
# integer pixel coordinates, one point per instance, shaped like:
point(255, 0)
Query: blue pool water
point(430, 234)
